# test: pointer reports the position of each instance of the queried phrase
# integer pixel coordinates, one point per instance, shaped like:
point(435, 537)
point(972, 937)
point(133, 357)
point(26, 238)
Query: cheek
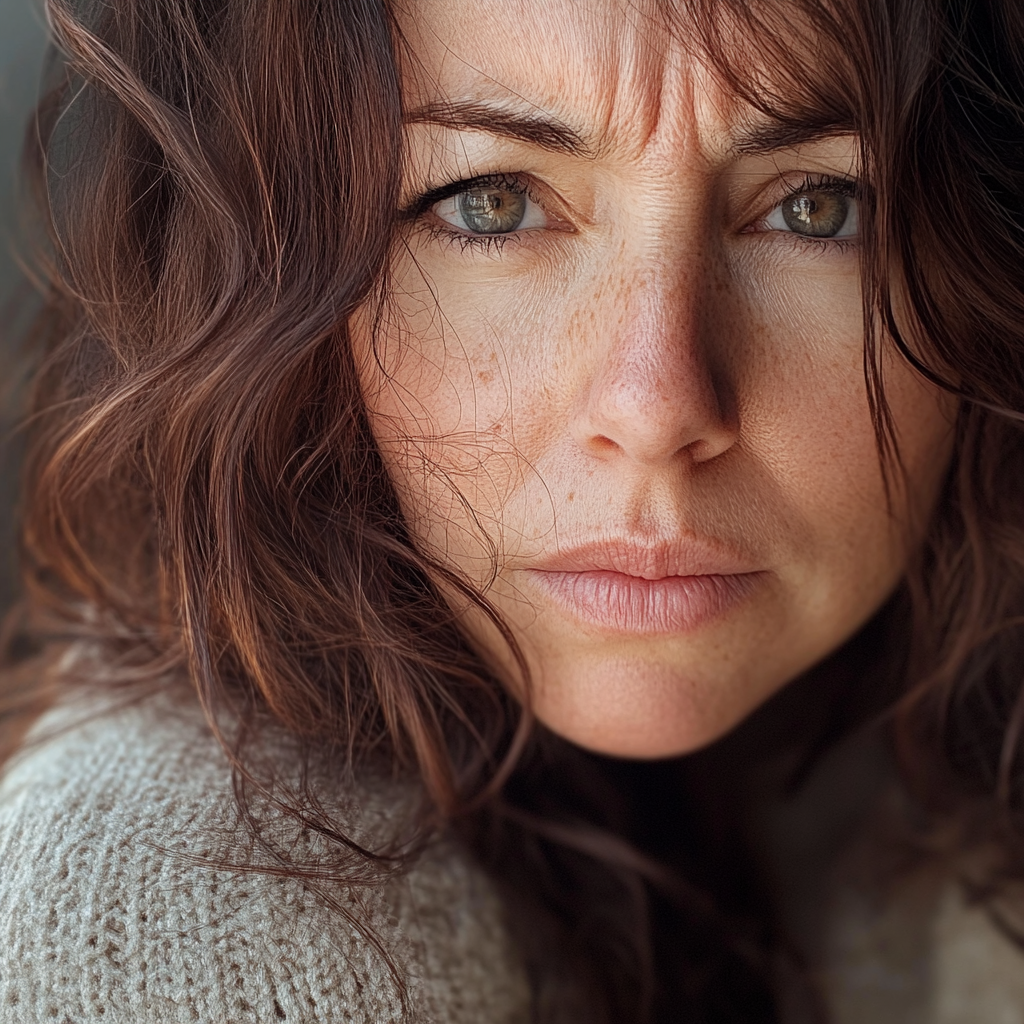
point(807, 417)
point(809, 431)
point(453, 407)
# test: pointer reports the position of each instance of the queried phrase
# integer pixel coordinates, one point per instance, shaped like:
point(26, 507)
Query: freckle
point(498, 427)
point(572, 495)
point(485, 376)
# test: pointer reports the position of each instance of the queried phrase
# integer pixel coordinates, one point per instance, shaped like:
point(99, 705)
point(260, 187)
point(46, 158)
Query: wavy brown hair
point(204, 503)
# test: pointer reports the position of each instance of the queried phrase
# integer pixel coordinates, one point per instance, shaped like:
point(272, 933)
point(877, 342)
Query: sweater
point(110, 911)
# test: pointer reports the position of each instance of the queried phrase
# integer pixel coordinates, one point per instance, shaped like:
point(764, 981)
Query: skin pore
point(618, 383)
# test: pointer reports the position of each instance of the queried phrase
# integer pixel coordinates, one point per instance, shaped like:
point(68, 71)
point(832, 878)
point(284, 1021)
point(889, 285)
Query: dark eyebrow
point(544, 131)
point(775, 135)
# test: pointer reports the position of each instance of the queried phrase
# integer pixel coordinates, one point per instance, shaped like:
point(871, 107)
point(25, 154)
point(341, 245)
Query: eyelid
point(434, 194)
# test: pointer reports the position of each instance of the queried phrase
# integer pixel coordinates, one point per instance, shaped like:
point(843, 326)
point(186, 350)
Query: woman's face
point(619, 382)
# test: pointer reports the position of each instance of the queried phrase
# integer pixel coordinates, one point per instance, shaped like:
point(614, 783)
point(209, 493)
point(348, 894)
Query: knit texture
point(107, 913)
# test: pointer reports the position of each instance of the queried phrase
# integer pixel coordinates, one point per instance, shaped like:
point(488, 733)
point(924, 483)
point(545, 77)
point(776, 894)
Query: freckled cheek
point(794, 346)
point(835, 461)
point(416, 382)
point(454, 403)
point(807, 415)
point(480, 360)
point(797, 365)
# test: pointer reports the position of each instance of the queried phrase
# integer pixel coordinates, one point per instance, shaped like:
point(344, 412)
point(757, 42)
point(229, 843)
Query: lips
point(629, 588)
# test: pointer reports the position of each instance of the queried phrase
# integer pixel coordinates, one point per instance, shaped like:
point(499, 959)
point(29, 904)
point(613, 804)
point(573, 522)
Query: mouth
point(629, 588)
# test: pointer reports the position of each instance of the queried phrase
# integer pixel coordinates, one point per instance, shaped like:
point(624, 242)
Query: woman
point(523, 515)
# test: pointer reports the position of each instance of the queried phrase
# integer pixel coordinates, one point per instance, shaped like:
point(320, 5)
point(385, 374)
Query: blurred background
point(22, 43)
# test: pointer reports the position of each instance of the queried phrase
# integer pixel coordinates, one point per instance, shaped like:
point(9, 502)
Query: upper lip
point(691, 556)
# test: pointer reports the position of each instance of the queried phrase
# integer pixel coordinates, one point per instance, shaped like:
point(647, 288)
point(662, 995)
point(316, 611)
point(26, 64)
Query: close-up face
point(618, 381)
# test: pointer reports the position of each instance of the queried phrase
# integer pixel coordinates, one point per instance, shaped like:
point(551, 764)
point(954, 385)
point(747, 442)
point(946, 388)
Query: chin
point(630, 708)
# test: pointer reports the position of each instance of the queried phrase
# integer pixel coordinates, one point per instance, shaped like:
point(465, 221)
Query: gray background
point(22, 39)
point(22, 42)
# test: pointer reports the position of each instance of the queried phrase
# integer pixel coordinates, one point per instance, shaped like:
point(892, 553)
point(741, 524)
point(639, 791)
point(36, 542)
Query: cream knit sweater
point(109, 916)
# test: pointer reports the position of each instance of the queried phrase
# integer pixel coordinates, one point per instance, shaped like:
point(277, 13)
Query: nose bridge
point(653, 394)
point(650, 353)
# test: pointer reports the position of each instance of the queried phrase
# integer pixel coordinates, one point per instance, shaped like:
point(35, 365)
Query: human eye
point(485, 208)
point(823, 207)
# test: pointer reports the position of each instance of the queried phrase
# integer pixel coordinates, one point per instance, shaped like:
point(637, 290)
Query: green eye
point(491, 211)
point(485, 208)
point(816, 213)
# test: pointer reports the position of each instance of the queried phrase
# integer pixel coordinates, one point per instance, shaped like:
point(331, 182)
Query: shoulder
point(907, 939)
point(113, 913)
point(926, 953)
point(886, 926)
point(978, 957)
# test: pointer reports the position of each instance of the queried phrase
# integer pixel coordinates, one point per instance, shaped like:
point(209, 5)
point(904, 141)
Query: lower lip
point(618, 603)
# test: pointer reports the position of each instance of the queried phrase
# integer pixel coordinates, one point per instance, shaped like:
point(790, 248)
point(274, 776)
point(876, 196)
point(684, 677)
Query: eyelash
point(485, 243)
point(826, 183)
point(515, 183)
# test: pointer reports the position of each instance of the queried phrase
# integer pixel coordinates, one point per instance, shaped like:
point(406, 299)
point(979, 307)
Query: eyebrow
point(550, 133)
point(775, 135)
point(541, 130)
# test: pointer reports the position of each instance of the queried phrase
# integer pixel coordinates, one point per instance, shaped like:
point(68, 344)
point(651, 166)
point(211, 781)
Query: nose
point(653, 396)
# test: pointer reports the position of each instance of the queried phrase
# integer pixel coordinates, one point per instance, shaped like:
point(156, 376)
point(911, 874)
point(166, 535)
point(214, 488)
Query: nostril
point(602, 444)
point(704, 450)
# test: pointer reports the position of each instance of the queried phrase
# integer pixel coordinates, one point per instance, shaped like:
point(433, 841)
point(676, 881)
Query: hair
point(203, 500)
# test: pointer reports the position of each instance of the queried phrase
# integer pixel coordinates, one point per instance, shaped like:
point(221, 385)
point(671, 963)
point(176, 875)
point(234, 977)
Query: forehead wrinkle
point(601, 69)
point(625, 76)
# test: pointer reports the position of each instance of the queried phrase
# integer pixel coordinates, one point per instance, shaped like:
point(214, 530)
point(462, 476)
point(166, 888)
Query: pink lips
point(635, 588)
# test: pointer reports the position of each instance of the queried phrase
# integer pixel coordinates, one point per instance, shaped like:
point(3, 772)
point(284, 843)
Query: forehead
point(607, 67)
